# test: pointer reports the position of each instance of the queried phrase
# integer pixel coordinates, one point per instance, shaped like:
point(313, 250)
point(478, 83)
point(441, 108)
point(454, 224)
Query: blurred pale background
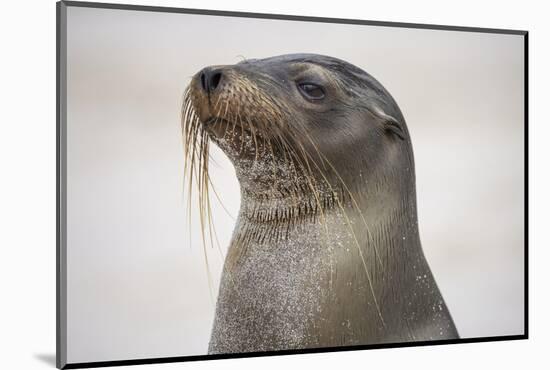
point(137, 281)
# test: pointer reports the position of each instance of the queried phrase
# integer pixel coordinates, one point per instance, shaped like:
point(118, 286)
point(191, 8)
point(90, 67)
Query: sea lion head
point(283, 117)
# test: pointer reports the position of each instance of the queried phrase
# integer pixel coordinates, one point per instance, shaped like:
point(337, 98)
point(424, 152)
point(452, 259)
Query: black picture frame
point(61, 172)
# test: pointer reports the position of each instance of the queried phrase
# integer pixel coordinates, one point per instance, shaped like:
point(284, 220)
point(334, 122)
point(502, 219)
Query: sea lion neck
point(283, 194)
point(291, 207)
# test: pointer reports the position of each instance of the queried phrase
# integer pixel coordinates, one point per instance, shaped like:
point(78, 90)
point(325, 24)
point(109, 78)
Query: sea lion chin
point(326, 250)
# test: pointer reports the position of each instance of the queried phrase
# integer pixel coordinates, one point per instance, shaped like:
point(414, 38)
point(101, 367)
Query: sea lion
point(326, 250)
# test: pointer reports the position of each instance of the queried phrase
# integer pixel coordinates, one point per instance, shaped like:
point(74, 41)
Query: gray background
point(137, 282)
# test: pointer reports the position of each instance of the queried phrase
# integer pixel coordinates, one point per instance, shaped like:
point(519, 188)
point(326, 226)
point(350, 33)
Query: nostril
point(215, 80)
point(204, 81)
point(210, 79)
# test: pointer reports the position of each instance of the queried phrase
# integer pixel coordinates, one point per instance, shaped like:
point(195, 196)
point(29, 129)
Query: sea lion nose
point(210, 79)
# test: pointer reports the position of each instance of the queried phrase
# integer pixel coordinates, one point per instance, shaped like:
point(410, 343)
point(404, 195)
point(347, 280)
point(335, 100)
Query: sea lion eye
point(311, 91)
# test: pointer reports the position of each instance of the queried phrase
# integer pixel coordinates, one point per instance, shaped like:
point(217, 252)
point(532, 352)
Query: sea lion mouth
point(212, 120)
point(215, 125)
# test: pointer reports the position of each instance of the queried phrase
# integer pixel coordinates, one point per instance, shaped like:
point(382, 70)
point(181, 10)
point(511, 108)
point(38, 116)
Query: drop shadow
point(47, 358)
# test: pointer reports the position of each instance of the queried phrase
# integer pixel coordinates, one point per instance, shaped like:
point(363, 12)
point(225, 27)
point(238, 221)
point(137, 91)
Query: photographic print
point(235, 184)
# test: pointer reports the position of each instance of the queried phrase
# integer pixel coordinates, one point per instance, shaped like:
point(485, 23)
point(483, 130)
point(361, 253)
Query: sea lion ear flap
point(393, 126)
point(390, 123)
